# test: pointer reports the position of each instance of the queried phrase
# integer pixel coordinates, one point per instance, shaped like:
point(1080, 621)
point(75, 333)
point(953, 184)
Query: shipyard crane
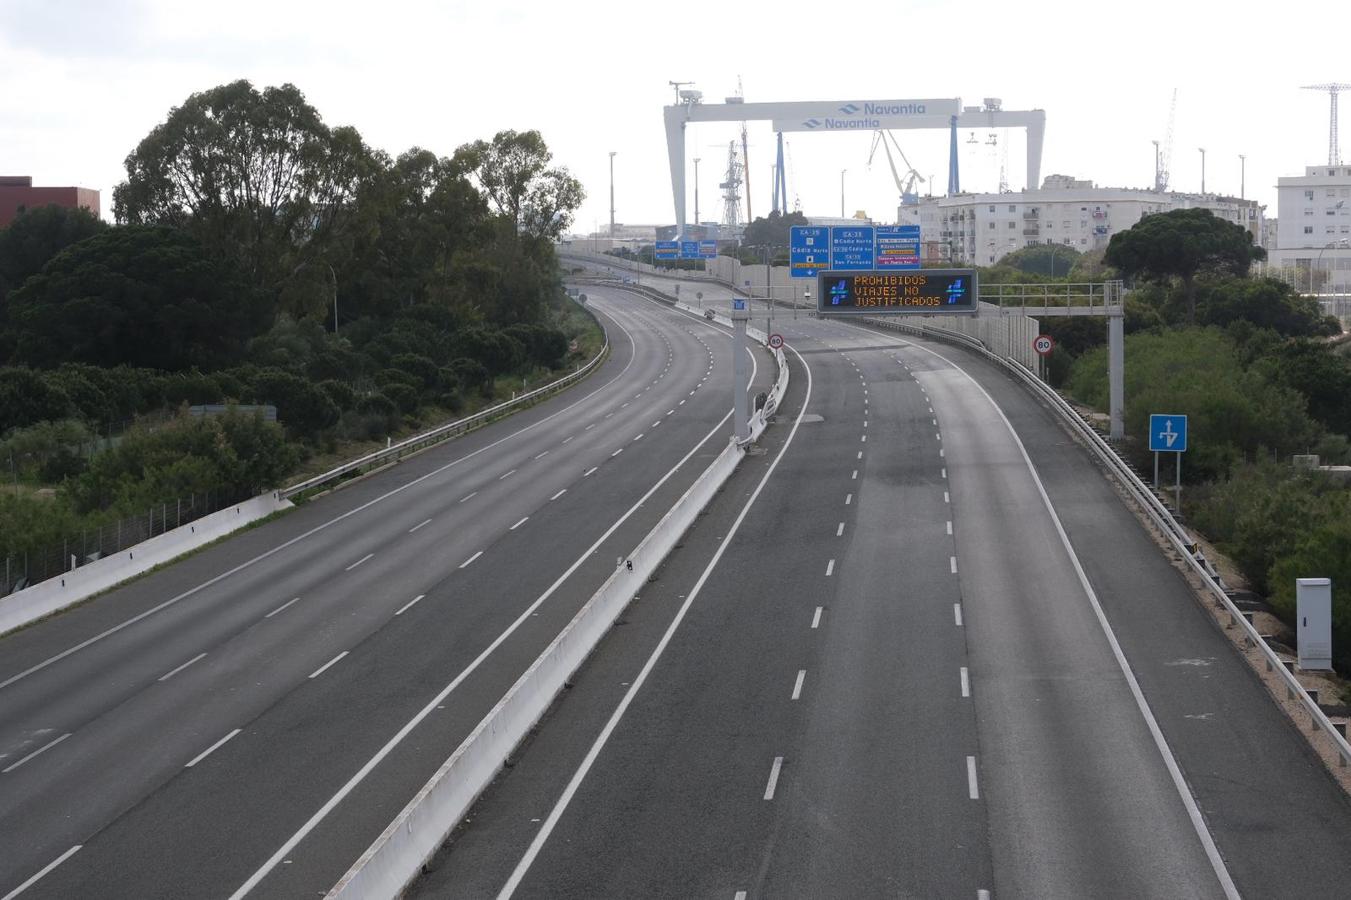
point(907, 186)
point(1163, 160)
point(1333, 89)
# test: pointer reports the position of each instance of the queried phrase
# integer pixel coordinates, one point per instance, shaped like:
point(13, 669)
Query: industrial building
point(1313, 241)
point(17, 193)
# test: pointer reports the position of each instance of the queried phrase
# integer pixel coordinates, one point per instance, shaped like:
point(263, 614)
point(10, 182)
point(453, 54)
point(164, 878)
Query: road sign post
point(741, 377)
point(1168, 434)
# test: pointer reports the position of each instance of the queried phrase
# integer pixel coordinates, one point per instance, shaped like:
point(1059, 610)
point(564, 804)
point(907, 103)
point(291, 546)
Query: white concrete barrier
point(56, 594)
point(397, 855)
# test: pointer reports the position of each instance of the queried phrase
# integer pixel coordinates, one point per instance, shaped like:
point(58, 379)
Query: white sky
point(82, 81)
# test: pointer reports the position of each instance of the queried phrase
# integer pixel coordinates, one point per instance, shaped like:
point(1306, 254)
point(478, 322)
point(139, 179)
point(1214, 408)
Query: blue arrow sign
point(1167, 433)
point(808, 250)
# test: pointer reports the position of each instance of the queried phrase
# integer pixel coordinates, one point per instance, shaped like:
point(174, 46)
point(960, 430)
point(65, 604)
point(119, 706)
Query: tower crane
point(1163, 161)
point(907, 186)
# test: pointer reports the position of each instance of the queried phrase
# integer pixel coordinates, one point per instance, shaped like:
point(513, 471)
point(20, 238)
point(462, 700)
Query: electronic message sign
point(923, 292)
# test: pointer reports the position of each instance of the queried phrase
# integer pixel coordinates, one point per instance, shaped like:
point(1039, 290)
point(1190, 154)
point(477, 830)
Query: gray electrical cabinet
point(1313, 608)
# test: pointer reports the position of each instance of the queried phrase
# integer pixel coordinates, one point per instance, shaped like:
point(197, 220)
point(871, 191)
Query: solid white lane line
point(830, 568)
point(524, 519)
point(840, 530)
point(589, 471)
point(280, 608)
point(966, 682)
point(172, 672)
point(52, 865)
point(773, 777)
point(471, 559)
point(848, 499)
point(419, 525)
point(957, 614)
point(329, 805)
point(542, 455)
point(319, 671)
point(952, 563)
point(469, 496)
point(616, 453)
point(559, 494)
point(359, 562)
point(949, 526)
point(816, 618)
point(43, 749)
point(797, 685)
point(568, 438)
point(409, 605)
point(971, 787)
point(506, 475)
point(212, 749)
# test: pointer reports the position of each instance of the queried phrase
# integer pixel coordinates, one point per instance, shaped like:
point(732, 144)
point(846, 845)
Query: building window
point(992, 208)
point(1013, 224)
point(1308, 212)
point(1308, 195)
point(1308, 229)
point(1012, 208)
point(992, 225)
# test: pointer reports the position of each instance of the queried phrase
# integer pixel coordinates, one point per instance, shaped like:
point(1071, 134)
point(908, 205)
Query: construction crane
point(1163, 162)
point(1333, 88)
point(731, 188)
point(907, 186)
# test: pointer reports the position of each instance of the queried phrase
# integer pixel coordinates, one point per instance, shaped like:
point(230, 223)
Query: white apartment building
point(980, 228)
point(1313, 240)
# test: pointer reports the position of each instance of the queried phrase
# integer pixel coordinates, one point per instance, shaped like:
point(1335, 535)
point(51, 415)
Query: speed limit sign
point(1043, 344)
point(775, 341)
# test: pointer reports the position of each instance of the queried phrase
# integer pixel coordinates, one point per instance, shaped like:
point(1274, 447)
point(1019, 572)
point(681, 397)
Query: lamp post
point(842, 171)
point(1319, 263)
point(696, 190)
point(612, 195)
point(1242, 176)
point(1203, 170)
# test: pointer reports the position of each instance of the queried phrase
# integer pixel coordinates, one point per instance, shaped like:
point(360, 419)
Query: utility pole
point(1203, 170)
point(696, 190)
point(612, 195)
point(1242, 176)
point(842, 171)
point(1158, 173)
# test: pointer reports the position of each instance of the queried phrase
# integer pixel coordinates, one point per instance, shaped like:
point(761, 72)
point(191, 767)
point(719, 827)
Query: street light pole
point(1242, 176)
point(1203, 170)
point(842, 171)
point(696, 190)
point(612, 195)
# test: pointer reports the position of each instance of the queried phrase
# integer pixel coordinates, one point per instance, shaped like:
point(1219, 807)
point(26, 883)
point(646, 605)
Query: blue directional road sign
point(1167, 433)
point(808, 250)
point(851, 248)
point(689, 249)
point(667, 249)
point(708, 249)
point(897, 247)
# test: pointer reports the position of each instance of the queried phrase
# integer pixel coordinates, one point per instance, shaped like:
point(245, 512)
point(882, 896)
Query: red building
point(17, 194)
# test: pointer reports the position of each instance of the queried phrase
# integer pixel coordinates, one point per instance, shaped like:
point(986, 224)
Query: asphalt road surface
point(919, 648)
point(253, 716)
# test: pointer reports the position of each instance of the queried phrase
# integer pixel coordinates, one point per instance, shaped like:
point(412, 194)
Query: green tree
point(1182, 244)
point(1264, 302)
point(773, 230)
point(139, 295)
point(1050, 260)
point(36, 236)
point(513, 171)
point(257, 176)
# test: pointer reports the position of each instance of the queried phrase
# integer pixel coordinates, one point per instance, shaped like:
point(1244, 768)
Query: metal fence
point(91, 544)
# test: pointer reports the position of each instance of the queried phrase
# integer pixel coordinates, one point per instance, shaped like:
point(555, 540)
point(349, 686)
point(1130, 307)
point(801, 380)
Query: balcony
point(1031, 214)
point(1028, 231)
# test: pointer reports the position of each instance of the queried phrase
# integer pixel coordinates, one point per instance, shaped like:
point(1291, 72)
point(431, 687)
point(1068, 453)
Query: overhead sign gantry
point(824, 116)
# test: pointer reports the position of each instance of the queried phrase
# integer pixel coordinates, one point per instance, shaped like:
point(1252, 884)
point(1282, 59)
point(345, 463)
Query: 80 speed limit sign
point(1043, 344)
point(775, 341)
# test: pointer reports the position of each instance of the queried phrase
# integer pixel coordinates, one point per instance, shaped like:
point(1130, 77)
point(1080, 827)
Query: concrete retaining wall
point(55, 594)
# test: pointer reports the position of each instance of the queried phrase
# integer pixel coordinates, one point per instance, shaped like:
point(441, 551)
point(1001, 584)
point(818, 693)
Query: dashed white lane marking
point(982, 894)
point(830, 568)
point(624, 405)
point(945, 471)
point(949, 526)
point(559, 494)
point(212, 749)
point(542, 455)
point(797, 685)
point(409, 605)
point(506, 475)
point(589, 471)
point(656, 423)
point(854, 477)
point(840, 530)
point(966, 682)
point(865, 423)
point(946, 498)
point(43, 749)
point(524, 519)
point(174, 671)
point(952, 564)
point(863, 439)
point(419, 525)
point(359, 562)
point(470, 496)
point(848, 498)
point(280, 608)
point(971, 787)
point(589, 427)
point(940, 452)
point(938, 436)
point(56, 862)
point(471, 559)
point(816, 618)
point(609, 414)
point(773, 777)
point(681, 403)
point(957, 614)
point(739, 895)
point(616, 453)
point(640, 437)
point(319, 671)
point(860, 455)
point(570, 437)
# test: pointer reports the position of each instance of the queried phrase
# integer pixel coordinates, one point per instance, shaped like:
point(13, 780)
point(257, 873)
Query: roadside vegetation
point(263, 257)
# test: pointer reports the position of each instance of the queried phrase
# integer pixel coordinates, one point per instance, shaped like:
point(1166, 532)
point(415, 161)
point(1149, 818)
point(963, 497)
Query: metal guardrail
point(417, 442)
point(1158, 513)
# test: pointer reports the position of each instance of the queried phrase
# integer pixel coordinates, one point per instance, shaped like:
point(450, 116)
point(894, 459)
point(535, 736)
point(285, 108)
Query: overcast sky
point(83, 81)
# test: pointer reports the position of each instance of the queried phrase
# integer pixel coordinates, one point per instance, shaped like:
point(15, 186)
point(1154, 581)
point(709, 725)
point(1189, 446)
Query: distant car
point(709, 314)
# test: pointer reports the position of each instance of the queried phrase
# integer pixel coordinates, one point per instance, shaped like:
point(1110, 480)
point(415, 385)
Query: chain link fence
point(92, 544)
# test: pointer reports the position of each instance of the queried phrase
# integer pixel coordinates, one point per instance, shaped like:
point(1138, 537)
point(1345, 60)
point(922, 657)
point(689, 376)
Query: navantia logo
point(812, 123)
point(849, 109)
